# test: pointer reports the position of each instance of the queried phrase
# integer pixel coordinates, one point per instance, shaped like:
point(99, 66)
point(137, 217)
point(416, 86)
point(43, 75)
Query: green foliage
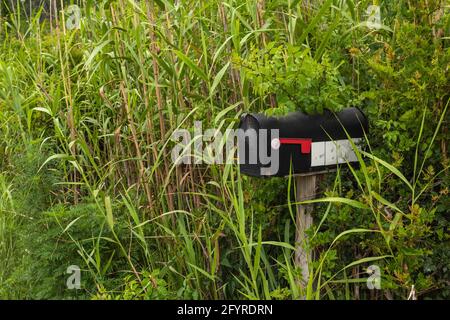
point(85, 117)
point(297, 80)
point(150, 287)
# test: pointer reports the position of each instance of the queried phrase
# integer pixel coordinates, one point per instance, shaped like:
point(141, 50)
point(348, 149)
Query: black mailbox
point(313, 142)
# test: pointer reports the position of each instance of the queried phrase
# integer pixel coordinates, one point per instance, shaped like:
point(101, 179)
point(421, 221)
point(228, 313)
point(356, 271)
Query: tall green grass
point(105, 99)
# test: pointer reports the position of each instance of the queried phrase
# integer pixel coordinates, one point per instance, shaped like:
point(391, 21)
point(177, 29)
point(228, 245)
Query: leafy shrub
point(297, 80)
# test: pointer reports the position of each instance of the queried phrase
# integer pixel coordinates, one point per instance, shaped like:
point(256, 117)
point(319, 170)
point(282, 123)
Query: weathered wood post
point(305, 190)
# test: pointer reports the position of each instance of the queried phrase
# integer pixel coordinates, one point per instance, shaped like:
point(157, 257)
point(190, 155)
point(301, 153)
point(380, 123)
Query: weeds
point(86, 117)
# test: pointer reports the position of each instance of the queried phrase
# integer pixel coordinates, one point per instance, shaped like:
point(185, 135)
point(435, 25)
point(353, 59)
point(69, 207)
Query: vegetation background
point(86, 116)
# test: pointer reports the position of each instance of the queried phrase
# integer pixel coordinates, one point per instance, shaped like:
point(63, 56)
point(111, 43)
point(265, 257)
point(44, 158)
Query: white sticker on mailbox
point(345, 151)
point(317, 154)
point(333, 152)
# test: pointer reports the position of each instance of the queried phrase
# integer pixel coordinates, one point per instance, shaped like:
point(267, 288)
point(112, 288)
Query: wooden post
point(306, 190)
